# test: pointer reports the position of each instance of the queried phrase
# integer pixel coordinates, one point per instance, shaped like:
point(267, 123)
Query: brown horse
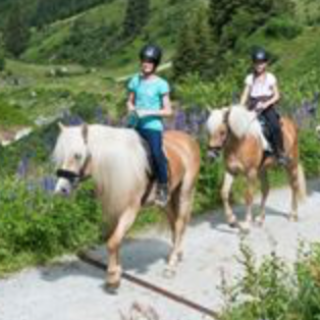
point(117, 161)
point(238, 132)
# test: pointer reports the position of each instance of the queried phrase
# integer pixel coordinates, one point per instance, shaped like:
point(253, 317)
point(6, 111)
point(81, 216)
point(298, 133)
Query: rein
point(74, 177)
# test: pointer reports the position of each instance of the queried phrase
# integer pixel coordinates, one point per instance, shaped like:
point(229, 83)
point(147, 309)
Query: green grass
point(38, 93)
point(164, 22)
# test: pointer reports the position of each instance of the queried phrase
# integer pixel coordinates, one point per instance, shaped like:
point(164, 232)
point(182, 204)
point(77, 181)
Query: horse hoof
point(112, 288)
point(259, 222)
point(244, 227)
point(293, 219)
point(169, 273)
point(233, 224)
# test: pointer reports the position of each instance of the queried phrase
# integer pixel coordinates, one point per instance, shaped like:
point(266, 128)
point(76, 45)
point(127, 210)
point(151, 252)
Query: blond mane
point(241, 122)
point(119, 161)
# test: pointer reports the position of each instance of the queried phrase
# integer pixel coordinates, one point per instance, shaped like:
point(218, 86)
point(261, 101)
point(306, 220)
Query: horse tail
point(302, 185)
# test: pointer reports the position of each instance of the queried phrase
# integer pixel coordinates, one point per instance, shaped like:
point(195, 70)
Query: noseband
point(71, 176)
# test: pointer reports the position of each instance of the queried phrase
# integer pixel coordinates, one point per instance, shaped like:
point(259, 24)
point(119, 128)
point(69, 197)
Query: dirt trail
point(72, 290)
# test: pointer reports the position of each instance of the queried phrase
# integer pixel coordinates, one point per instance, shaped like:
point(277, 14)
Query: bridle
point(75, 177)
point(69, 175)
point(215, 151)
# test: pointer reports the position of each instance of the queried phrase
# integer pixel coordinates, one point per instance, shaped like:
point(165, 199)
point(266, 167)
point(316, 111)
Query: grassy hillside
point(31, 92)
point(94, 35)
point(50, 79)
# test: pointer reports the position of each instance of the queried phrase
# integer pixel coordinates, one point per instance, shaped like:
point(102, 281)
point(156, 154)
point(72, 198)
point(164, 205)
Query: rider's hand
point(131, 108)
point(144, 113)
point(260, 107)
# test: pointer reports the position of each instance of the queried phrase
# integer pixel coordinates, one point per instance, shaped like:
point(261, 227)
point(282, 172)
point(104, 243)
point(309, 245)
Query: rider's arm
point(275, 98)
point(130, 102)
point(165, 111)
point(245, 96)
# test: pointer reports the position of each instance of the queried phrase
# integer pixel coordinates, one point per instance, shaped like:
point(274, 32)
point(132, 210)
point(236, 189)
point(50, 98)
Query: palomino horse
point(238, 132)
point(117, 161)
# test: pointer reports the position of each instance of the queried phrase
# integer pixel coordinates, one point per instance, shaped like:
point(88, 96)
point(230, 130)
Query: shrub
point(209, 182)
point(273, 290)
point(36, 225)
point(310, 152)
point(282, 28)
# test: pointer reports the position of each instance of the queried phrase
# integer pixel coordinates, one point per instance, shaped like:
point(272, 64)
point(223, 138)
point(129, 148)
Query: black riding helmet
point(151, 53)
point(260, 55)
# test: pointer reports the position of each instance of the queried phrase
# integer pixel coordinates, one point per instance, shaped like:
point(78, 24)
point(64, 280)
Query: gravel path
point(72, 290)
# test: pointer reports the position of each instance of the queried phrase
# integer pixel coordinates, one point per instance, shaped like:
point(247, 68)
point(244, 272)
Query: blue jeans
point(158, 159)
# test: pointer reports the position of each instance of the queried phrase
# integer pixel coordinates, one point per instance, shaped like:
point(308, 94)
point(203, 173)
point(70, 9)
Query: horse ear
point(84, 131)
point(61, 126)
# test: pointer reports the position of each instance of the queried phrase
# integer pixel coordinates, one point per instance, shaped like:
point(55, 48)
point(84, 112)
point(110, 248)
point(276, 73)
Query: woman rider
point(261, 94)
point(149, 99)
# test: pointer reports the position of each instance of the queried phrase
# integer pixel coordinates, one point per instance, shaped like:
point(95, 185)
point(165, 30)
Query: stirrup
point(283, 160)
point(162, 196)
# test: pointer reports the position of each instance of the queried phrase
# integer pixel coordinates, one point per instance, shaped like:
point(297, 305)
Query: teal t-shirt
point(148, 96)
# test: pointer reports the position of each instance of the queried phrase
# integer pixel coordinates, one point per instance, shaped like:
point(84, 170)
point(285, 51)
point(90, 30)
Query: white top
point(260, 87)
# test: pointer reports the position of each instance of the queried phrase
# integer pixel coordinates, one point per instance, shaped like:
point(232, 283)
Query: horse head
point(218, 131)
point(72, 157)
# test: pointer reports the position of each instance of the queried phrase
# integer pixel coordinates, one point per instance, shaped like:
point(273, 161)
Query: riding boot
point(282, 158)
point(162, 195)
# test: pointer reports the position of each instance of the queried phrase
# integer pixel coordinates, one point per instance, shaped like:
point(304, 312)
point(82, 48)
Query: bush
point(2, 62)
point(36, 225)
point(273, 290)
point(282, 28)
point(209, 182)
point(310, 152)
point(193, 91)
point(11, 114)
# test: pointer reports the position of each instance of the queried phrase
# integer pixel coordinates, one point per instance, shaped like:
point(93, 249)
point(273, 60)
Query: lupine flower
point(48, 183)
point(23, 167)
point(99, 115)
point(180, 120)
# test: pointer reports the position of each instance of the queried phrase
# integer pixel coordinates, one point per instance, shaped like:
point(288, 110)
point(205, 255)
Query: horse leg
point(245, 226)
point(225, 193)
point(293, 173)
point(265, 188)
point(179, 212)
point(114, 269)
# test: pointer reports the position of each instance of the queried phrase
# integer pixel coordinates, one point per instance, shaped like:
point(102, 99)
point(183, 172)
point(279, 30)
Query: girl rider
point(261, 94)
point(149, 99)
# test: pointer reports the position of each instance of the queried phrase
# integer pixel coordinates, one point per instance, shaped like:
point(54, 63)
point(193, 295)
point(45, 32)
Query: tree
point(233, 20)
point(136, 17)
point(2, 54)
point(16, 32)
point(195, 50)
